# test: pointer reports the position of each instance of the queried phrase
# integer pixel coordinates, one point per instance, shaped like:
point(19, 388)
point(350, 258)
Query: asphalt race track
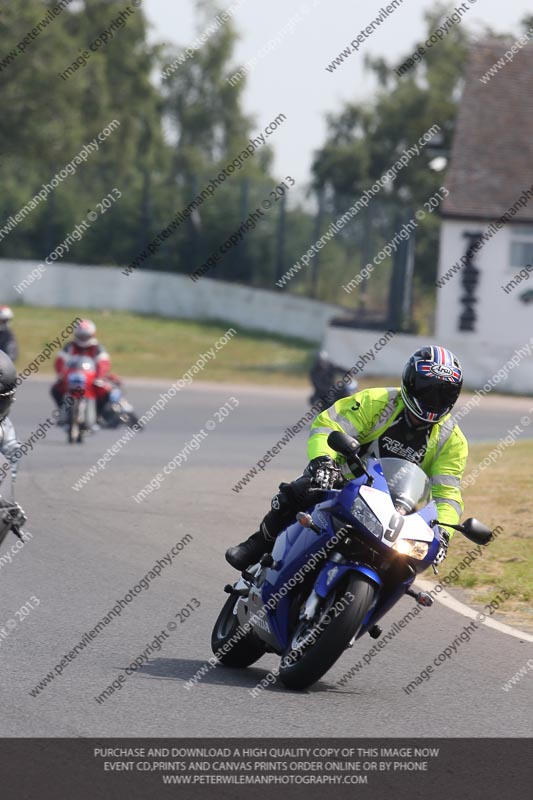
point(89, 547)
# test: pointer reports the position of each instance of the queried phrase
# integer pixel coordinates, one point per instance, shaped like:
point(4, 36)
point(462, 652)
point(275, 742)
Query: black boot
point(249, 552)
point(291, 498)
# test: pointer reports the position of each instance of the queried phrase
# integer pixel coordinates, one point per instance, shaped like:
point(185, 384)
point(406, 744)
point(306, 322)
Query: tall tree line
point(179, 131)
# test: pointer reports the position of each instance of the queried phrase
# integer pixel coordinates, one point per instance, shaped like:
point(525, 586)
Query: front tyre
point(246, 648)
point(316, 645)
point(132, 419)
point(73, 426)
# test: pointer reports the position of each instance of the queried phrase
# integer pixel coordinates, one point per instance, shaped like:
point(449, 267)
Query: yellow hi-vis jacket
point(367, 414)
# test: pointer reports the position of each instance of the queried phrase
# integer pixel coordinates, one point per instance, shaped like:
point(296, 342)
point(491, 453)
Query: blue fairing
point(300, 552)
point(293, 548)
point(331, 574)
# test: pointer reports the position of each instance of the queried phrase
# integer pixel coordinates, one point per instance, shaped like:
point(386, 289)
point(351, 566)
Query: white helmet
point(85, 333)
point(5, 314)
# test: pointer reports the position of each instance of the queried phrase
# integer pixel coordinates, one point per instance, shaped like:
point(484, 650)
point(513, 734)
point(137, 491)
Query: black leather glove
point(12, 518)
point(443, 549)
point(324, 472)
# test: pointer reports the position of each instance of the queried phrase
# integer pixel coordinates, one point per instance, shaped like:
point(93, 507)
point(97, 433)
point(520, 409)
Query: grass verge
point(501, 496)
point(154, 347)
point(143, 346)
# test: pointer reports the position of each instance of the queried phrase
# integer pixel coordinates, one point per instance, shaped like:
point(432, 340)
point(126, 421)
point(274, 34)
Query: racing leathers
point(8, 342)
point(12, 516)
point(9, 443)
point(102, 363)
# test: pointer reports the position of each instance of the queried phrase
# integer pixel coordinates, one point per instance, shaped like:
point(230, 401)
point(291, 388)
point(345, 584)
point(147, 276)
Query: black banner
point(297, 768)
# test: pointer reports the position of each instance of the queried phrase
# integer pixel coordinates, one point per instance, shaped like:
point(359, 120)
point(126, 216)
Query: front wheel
point(242, 649)
point(132, 419)
point(317, 644)
point(73, 423)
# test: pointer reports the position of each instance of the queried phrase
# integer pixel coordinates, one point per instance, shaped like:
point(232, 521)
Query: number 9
point(395, 526)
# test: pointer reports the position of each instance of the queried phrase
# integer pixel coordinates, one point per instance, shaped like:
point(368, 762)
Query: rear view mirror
point(474, 530)
point(343, 444)
point(348, 447)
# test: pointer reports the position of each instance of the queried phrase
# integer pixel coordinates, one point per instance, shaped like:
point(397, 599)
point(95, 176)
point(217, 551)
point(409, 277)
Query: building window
point(521, 249)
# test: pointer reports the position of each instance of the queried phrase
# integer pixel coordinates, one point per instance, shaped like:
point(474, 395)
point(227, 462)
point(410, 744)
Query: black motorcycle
point(117, 410)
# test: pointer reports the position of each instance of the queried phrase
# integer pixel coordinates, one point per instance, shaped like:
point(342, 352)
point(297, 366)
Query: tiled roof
point(492, 154)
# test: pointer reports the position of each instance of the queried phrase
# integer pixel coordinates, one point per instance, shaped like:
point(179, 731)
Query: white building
point(484, 291)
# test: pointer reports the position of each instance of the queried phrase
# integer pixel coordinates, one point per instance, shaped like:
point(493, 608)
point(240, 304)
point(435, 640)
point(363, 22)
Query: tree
point(203, 108)
point(51, 109)
point(364, 140)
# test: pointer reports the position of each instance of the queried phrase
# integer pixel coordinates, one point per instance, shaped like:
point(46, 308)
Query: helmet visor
point(435, 396)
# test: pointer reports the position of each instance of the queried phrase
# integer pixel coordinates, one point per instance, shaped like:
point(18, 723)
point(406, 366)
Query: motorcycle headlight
point(366, 517)
point(408, 547)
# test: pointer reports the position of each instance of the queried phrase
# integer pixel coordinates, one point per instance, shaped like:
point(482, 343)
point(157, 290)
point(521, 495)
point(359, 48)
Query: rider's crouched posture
point(411, 422)
point(9, 445)
point(8, 342)
point(84, 343)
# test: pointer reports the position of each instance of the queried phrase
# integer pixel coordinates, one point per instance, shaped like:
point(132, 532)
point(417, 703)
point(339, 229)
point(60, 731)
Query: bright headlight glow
point(408, 547)
point(366, 517)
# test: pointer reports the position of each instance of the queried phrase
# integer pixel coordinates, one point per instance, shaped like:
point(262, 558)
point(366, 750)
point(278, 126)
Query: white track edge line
point(456, 605)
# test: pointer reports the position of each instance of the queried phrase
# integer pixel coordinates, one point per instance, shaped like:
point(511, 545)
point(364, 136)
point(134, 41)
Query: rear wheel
point(317, 644)
point(243, 648)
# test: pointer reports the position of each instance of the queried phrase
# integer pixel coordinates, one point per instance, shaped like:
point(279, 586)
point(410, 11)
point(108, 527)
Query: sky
point(292, 78)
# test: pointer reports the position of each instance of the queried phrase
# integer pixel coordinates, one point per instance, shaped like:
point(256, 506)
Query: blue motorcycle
point(337, 571)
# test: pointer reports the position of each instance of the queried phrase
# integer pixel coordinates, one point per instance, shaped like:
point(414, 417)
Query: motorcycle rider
point(8, 342)
point(411, 422)
point(11, 513)
point(84, 343)
point(322, 375)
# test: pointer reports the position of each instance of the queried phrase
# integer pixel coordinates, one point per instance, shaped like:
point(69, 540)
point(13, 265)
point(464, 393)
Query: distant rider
point(411, 422)
point(84, 343)
point(8, 342)
point(322, 375)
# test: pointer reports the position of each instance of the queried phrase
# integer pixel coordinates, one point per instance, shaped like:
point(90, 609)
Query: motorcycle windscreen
point(77, 381)
point(409, 486)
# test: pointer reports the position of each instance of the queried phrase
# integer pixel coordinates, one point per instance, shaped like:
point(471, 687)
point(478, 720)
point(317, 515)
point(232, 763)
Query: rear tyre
point(303, 663)
point(246, 648)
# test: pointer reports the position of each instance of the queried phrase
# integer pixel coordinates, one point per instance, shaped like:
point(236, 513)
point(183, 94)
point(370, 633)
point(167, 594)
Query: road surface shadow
point(183, 670)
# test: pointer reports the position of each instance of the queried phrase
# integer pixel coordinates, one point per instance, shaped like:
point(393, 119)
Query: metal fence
point(287, 223)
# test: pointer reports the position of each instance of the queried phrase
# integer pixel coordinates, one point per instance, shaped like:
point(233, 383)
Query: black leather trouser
point(291, 498)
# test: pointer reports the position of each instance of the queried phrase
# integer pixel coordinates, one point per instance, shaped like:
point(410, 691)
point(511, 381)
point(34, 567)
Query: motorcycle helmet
point(5, 316)
point(85, 333)
point(431, 383)
point(8, 379)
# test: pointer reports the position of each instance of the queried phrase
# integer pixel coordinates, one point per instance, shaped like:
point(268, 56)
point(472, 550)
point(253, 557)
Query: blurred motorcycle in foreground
point(12, 517)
